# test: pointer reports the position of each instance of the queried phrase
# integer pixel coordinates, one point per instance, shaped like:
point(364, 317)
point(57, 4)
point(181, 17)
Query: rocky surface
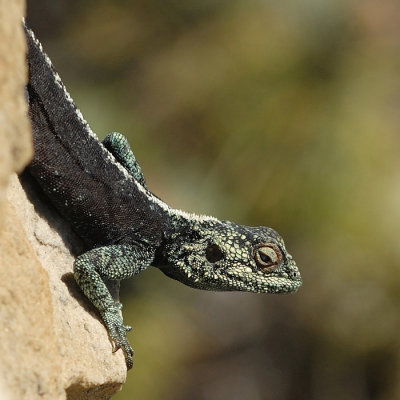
point(16, 147)
point(61, 339)
point(53, 344)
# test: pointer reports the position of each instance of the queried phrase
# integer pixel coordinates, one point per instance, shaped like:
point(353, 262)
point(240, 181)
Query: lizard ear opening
point(214, 253)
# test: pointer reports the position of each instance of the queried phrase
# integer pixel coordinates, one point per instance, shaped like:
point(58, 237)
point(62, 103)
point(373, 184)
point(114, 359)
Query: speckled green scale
point(100, 190)
point(118, 146)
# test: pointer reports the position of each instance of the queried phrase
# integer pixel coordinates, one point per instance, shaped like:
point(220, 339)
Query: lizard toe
point(117, 331)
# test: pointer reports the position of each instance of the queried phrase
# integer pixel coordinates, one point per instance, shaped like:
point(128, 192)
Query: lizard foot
point(117, 331)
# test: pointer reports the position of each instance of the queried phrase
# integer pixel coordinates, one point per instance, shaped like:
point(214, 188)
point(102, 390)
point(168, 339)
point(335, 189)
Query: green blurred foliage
point(268, 113)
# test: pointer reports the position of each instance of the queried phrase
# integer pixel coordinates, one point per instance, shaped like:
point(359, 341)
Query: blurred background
point(283, 114)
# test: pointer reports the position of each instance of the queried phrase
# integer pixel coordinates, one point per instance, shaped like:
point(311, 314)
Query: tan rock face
point(26, 315)
point(15, 139)
point(53, 344)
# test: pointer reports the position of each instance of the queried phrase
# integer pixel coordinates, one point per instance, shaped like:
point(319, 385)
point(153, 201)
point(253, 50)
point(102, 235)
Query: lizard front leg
point(115, 263)
point(117, 144)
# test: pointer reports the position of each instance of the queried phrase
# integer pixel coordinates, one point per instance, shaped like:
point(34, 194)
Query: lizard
point(99, 189)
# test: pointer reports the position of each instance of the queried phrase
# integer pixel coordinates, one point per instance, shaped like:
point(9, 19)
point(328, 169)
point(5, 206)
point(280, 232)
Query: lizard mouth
point(292, 285)
point(258, 282)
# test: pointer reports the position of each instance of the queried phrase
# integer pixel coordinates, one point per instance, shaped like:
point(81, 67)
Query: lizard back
point(105, 204)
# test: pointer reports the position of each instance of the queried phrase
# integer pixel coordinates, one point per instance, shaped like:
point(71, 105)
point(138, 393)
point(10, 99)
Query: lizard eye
point(268, 257)
point(214, 253)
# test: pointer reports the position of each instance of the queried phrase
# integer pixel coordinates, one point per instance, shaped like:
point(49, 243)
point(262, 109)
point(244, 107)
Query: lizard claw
point(117, 331)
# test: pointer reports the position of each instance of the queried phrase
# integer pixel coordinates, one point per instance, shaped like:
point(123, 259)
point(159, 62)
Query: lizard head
point(221, 255)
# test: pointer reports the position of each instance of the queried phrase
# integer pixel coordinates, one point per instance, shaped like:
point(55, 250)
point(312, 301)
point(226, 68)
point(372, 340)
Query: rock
point(63, 333)
point(53, 344)
point(15, 139)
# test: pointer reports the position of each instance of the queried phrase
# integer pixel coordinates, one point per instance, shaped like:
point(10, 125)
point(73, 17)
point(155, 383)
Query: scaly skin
point(100, 190)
